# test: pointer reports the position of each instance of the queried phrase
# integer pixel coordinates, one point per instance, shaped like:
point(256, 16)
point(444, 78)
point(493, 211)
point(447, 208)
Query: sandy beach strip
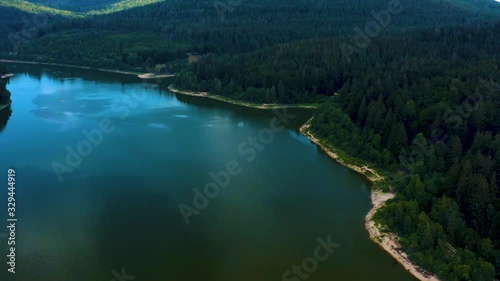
point(155, 76)
point(172, 89)
point(388, 241)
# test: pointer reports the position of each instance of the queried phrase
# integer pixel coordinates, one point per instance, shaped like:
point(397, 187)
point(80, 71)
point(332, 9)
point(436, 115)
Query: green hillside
point(75, 8)
point(76, 5)
point(33, 8)
point(420, 107)
point(232, 28)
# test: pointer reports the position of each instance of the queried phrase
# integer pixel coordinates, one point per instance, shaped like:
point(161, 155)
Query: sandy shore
point(388, 241)
point(369, 173)
point(172, 89)
point(155, 76)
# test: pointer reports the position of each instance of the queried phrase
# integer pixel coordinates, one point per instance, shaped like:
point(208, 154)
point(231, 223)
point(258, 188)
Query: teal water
point(118, 207)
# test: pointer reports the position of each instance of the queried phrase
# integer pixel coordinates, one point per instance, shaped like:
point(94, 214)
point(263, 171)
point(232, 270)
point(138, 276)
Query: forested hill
point(73, 8)
point(24, 21)
point(176, 27)
point(77, 5)
point(422, 106)
point(304, 71)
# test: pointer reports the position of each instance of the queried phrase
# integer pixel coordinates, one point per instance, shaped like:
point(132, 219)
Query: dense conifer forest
point(422, 107)
point(221, 27)
point(419, 100)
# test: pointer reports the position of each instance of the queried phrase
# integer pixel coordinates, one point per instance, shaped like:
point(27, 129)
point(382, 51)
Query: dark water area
point(115, 207)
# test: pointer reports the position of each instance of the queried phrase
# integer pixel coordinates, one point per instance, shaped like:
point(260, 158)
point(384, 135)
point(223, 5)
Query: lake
point(103, 163)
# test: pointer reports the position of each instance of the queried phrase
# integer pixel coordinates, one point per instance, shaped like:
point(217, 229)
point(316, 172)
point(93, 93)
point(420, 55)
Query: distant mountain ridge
point(76, 5)
point(208, 26)
point(72, 8)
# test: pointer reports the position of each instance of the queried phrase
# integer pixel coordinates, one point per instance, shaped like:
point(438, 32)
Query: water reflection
point(59, 105)
point(4, 117)
point(119, 208)
point(5, 112)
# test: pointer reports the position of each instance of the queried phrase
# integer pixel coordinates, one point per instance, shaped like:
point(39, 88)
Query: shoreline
point(141, 75)
point(387, 241)
point(4, 106)
point(155, 76)
point(172, 89)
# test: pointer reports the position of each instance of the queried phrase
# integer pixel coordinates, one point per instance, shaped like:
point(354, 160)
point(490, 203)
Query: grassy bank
point(238, 102)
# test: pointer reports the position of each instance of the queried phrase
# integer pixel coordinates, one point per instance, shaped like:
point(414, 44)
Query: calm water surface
point(119, 207)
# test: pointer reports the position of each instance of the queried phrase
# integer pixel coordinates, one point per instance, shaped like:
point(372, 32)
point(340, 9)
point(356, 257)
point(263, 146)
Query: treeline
point(79, 6)
point(33, 8)
point(423, 107)
point(129, 51)
point(19, 28)
point(101, 6)
point(305, 71)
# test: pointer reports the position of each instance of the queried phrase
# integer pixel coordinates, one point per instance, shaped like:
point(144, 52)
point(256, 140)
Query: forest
point(75, 8)
point(417, 100)
point(208, 27)
point(422, 107)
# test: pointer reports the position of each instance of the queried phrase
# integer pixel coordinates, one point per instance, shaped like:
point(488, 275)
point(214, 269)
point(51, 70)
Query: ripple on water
point(159, 126)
